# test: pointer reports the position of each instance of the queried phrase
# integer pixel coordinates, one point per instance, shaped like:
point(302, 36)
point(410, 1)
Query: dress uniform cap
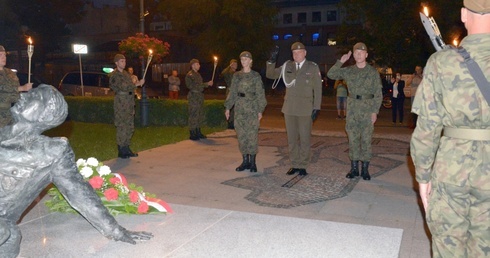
point(359, 46)
point(297, 45)
point(246, 54)
point(2, 49)
point(477, 6)
point(193, 61)
point(118, 57)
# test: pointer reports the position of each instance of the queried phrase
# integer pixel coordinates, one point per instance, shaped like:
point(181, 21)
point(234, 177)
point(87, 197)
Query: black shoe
point(292, 171)
point(364, 171)
point(131, 153)
point(193, 135)
point(121, 152)
point(302, 172)
point(354, 170)
point(253, 166)
point(199, 134)
point(245, 163)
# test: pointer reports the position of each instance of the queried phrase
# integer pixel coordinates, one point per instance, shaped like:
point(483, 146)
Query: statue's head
point(44, 106)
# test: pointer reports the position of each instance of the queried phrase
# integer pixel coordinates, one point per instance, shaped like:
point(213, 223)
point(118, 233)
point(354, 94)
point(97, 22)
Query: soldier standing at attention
point(227, 74)
point(122, 85)
point(301, 103)
point(453, 168)
point(195, 97)
point(9, 89)
point(247, 95)
point(362, 106)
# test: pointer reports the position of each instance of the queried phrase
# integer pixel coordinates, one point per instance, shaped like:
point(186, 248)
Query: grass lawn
point(99, 140)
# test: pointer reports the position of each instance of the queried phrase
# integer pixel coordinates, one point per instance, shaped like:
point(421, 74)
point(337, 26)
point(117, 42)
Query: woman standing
point(248, 97)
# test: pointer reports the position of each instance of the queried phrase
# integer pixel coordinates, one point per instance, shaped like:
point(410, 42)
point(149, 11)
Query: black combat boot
point(364, 171)
point(200, 135)
point(354, 169)
point(245, 163)
point(121, 152)
point(130, 152)
point(193, 135)
point(253, 166)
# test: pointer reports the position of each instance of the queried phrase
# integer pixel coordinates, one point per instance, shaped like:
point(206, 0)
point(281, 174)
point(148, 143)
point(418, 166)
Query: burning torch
point(30, 51)
point(430, 26)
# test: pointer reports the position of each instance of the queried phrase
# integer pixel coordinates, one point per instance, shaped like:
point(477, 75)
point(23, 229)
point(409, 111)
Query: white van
point(94, 84)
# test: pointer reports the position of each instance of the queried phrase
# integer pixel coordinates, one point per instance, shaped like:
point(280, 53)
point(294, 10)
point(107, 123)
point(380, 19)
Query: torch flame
point(455, 42)
point(426, 11)
point(30, 40)
point(151, 51)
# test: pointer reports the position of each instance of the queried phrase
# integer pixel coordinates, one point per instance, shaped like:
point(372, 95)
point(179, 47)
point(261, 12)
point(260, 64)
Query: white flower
point(81, 162)
point(86, 172)
point(104, 170)
point(92, 162)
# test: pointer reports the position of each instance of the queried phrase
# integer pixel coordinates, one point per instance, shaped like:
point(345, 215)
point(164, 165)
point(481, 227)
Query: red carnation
point(133, 196)
point(96, 182)
point(114, 180)
point(143, 208)
point(111, 194)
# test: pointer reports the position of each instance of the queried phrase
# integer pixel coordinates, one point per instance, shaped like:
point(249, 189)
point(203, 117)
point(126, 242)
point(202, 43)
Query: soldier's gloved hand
point(274, 53)
point(314, 114)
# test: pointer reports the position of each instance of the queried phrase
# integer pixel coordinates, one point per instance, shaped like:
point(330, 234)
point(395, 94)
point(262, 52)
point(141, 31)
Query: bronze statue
point(31, 161)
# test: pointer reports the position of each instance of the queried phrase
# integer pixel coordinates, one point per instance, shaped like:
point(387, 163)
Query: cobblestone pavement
point(326, 179)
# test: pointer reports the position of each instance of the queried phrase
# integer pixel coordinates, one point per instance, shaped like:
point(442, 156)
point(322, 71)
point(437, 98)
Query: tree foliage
point(138, 46)
point(393, 31)
point(224, 27)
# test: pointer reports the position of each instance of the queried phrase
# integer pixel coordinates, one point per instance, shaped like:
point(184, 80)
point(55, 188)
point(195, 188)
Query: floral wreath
point(116, 194)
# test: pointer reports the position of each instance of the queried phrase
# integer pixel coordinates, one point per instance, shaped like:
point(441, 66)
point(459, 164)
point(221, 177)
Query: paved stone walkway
point(326, 179)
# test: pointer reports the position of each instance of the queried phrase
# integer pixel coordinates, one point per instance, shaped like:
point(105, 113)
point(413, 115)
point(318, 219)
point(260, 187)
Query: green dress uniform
point(364, 99)
point(457, 164)
point(123, 87)
point(299, 102)
point(195, 97)
point(247, 95)
point(9, 94)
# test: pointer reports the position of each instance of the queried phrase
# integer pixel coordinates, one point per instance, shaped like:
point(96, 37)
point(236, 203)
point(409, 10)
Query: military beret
point(118, 57)
point(2, 49)
point(297, 45)
point(233, 61)
point(477, 6)
point(359, 46)
point(193, 61)
point(246, 54)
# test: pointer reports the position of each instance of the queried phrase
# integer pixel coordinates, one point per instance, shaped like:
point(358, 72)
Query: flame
point(426, 11)
point(151, 51)
point(215, 58)
point(455, 42)
point(30, 40)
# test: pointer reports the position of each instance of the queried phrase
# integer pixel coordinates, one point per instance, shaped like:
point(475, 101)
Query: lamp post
point(144, 104)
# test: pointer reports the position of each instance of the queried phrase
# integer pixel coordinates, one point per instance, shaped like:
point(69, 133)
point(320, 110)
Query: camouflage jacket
point(121, 81)
point(449, 97)
point(246, 93)
point(361, 81)
point(193, 81)
point(9, 88)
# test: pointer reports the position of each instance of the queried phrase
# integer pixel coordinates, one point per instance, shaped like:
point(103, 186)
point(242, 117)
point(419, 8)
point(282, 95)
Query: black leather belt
point(124, 93)
point(368, 96)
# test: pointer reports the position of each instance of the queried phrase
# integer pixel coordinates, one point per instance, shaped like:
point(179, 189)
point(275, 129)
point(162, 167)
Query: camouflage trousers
point(247, 131)
point(359, 131)
point(459, 220)
point(124, 119)
point(5, 117)
point(196, 110)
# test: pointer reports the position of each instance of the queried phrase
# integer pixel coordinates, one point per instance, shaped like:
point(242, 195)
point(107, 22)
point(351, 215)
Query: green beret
point(477, 6)
point(297, 45)
point(193, 61)
point(359, 46)
point(118, 57)
point(246, 54)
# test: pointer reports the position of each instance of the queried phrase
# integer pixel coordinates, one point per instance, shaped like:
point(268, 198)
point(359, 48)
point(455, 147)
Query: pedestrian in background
point(174, 85)
point(9, 89)
point(301, 104)
point(397, 98)
point(450, 145)
point(341, 91)
point(121, 83)
point(195, 97)
point(134, 78)
point(365, 96)
point(227, 75)
point(416, 80)
point(247, 96)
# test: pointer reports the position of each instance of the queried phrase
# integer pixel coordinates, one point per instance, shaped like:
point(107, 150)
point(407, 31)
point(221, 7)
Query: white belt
point(467, 134)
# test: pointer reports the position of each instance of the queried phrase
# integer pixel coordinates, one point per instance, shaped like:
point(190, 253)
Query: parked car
point(94, 84)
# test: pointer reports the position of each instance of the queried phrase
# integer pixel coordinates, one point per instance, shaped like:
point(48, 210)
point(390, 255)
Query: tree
point(393, 31)
point(224, 27)
point(138, 46)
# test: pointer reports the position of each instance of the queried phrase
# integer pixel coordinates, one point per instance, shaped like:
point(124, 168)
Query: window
point(315, 38)
point(287, 18)
point(288, 36)
point(316, 17)
point(331, 16)
point(301, 17)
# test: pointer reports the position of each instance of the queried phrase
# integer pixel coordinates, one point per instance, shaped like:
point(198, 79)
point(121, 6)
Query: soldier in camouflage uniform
point(301, 104)
point(227, 74)
point(9, 89)
point(122, 85)
point(195, 97)
point(453, 169)
point(362, 106)
point(247, 95)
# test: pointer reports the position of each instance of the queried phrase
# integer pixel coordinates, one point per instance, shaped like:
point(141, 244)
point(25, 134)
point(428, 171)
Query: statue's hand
point(127, 236)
